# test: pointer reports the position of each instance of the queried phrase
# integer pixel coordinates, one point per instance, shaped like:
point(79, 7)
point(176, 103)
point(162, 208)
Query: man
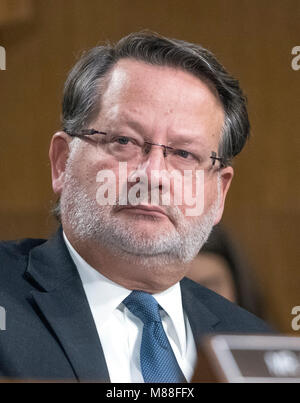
point(106, 298)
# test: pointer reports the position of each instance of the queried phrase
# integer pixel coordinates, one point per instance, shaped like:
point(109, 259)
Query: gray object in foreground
point(249, 359)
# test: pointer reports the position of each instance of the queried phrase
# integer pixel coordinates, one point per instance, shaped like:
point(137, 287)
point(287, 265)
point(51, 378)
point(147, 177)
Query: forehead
point(161, 98)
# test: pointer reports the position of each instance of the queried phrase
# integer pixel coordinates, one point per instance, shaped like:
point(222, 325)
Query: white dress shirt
point(120, 331)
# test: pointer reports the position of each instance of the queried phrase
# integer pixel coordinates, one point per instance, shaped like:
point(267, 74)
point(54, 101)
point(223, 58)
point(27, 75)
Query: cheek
point(87, 166)
point(211, 189)
point(198, 191)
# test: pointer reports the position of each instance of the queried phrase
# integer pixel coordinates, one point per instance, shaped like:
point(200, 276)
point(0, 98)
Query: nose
point(155, 159)
point(153, 165)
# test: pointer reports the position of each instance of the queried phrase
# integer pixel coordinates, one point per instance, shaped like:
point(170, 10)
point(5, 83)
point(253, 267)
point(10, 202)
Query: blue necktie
point(158, 362)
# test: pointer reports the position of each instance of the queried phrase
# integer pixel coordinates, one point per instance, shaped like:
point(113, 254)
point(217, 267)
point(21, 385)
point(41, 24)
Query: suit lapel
point(62, 301)
point(63, 304)
point(201, 319)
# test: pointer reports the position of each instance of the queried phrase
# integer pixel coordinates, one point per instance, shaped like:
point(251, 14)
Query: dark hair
point(248, 293)
point(83, 86)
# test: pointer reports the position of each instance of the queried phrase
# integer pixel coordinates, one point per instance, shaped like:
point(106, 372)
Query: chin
point(157, 263)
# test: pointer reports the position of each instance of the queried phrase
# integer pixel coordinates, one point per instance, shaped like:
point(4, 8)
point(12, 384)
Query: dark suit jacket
point(50, 332)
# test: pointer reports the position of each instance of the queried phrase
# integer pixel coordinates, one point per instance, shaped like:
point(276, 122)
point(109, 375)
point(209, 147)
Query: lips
point(143, 209)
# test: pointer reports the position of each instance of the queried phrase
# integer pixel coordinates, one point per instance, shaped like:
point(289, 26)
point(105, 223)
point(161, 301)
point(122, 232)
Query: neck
point(145, 273)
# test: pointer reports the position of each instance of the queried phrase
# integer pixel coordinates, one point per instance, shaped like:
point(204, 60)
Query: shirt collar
point(171, 302)
point(106, 295)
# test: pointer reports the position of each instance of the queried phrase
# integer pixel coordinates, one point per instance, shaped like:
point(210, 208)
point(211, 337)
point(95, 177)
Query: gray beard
point(91, 222)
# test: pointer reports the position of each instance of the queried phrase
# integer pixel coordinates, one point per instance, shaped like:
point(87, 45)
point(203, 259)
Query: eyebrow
point(177, 138)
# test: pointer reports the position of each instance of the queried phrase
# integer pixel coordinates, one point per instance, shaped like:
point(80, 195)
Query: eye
point(184, 154)
point(123, 140)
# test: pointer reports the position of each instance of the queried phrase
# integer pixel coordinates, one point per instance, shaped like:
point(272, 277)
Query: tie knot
point(143, 305)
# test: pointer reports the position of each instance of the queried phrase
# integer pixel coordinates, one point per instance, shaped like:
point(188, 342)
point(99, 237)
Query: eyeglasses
point(127, 148)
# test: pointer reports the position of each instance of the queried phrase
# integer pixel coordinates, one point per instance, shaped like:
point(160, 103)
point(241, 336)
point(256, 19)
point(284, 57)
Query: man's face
point(165, 106)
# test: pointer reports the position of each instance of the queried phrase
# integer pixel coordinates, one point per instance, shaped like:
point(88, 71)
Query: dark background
point(252, 38)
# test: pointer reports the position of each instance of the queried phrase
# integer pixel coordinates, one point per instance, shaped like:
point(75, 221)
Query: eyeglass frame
point(90, 132)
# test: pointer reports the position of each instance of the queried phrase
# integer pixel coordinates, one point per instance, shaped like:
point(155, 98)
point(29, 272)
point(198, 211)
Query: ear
point(58, 154)
point(226, 176)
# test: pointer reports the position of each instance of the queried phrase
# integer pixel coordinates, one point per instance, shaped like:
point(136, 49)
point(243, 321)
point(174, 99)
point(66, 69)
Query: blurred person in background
point(222, 267)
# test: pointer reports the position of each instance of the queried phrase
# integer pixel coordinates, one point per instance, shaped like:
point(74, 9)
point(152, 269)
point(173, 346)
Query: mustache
point(172, 212)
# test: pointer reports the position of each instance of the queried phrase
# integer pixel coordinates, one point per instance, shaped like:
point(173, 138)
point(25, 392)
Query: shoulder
point(21, 247)
point(14, 254)
point(231, 317)
point(15, 289)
